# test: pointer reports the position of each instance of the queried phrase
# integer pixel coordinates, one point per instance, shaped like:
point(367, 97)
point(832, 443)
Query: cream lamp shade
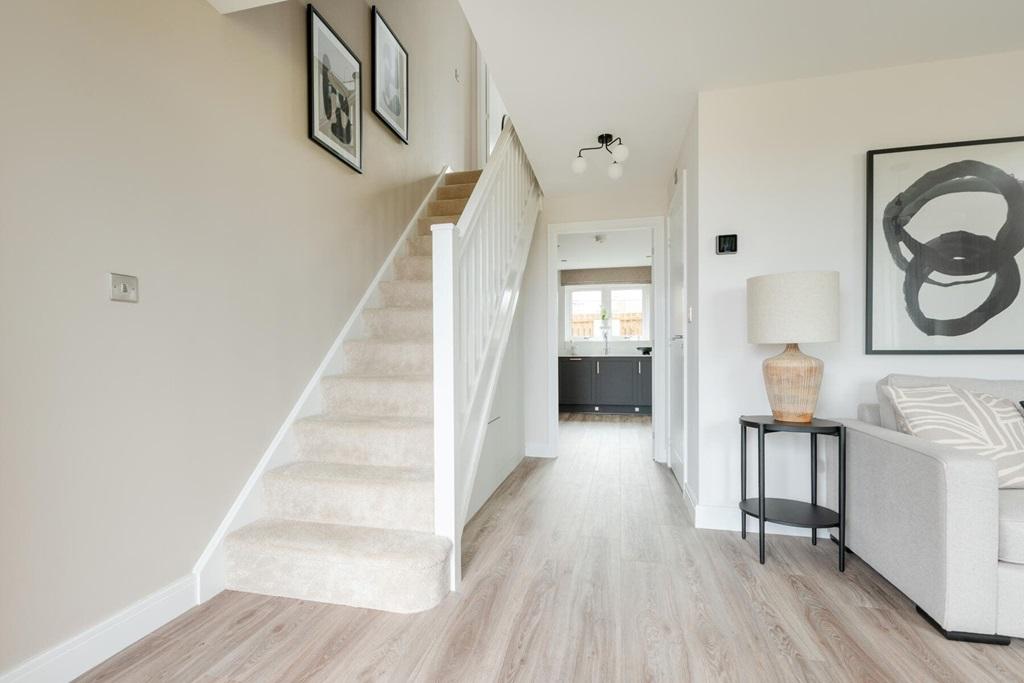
point(793, 308)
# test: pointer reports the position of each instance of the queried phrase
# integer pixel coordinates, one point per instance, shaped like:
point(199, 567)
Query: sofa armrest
point(926, 517)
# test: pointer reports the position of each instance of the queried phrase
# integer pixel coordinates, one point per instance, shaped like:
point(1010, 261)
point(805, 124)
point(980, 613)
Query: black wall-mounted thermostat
point(726, 244)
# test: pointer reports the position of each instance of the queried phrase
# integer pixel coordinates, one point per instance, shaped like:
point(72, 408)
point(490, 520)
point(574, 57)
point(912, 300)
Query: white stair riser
point(358, 444)
point(407, 292)
point(400, 323)
point(413, 267)
point(374, 397)
point(371, 585)
point(389, 359)
point(383, 504)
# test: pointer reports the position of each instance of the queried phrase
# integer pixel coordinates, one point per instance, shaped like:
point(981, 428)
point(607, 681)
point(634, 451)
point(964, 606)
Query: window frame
point(606, 303)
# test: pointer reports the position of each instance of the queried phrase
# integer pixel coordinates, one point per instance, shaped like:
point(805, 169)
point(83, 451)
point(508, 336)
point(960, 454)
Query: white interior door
point(677, 314)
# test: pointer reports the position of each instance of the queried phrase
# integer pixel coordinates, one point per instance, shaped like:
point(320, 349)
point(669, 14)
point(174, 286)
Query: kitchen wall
point(165, 140)
point(783, 166)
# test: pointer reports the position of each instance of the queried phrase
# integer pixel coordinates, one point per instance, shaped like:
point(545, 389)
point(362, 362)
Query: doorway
point(607, 343)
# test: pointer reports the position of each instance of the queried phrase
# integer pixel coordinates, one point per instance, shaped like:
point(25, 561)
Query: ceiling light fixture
point(605, 141)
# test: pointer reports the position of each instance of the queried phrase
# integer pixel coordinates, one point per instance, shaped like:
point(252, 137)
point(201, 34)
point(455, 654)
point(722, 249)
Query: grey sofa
point(933, 521)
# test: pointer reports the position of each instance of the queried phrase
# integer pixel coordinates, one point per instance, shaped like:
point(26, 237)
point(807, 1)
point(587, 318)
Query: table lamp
point(793, 309)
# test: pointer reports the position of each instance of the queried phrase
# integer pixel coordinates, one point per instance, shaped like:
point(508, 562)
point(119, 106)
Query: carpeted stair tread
point(400, 322)
point(355, 439)
point(343, 543)
point(421, 245)
point(321, 471)
point(387, 497)
point(419, 293)
point(457, 191)
point(380, 395)
point(414, 267)
point(390, 357)
point(447, 207)
point(384, 569)
point(461, 177)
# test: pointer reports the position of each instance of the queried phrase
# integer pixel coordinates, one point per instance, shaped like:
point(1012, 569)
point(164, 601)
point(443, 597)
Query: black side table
point(782, 510)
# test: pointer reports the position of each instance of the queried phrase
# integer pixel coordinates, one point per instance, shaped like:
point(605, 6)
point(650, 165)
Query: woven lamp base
point(793, 380)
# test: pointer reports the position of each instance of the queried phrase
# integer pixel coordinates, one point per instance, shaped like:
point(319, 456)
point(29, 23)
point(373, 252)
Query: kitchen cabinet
point(605, 384)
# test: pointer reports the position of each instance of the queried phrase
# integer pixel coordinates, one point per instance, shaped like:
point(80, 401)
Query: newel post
point(445, 517)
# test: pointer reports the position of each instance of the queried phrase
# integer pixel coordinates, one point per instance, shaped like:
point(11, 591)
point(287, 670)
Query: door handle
point(639, 368)
point(599, 367)
point(676, 337)
point(575, 359)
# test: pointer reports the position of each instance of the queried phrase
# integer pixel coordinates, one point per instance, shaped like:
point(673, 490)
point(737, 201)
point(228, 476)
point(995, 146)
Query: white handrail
point(478, 269)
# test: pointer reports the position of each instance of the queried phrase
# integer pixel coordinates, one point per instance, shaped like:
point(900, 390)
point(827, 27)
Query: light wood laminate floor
point(587, 568)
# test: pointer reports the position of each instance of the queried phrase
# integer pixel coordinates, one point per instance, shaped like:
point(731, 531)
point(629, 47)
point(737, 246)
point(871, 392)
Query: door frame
point(677, 452)
point(659, 335)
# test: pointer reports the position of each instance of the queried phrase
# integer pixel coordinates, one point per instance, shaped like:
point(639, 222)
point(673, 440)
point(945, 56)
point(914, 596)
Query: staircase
point(352, 520)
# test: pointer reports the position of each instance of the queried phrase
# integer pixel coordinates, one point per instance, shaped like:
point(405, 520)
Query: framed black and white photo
point(946, 248)
point(390, 78)
point(335, 93)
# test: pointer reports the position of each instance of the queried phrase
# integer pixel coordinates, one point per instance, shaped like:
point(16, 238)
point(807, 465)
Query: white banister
point(478, 269)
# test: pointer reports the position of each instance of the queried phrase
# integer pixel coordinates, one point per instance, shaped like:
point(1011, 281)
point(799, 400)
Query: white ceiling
point(570, 69)
point(615, 249)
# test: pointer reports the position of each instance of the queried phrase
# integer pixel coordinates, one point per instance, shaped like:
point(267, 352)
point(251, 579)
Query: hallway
point(586, 567)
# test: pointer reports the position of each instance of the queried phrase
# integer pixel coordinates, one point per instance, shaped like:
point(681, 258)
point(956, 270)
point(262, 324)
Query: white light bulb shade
point(620, 152)
point(793, 308)
point(579, 165)
point(615, 171)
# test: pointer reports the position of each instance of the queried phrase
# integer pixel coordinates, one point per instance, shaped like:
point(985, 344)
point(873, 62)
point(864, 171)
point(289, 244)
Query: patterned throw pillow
point(990, 426)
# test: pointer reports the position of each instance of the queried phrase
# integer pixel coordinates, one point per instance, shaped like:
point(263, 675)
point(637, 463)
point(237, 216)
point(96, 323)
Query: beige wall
point(164, 140)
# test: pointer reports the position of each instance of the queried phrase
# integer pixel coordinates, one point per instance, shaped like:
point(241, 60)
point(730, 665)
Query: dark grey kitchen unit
point(619, 385)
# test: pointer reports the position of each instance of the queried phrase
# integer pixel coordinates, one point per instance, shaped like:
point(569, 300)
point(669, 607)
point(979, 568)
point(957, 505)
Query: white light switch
point(124, 288)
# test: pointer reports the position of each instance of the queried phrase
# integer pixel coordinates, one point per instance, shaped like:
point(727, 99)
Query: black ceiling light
point(605, 141)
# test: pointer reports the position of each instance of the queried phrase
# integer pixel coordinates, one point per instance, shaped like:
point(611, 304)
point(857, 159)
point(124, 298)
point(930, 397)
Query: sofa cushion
point(1011, 526)
point(989, 426)
point(1003, 388)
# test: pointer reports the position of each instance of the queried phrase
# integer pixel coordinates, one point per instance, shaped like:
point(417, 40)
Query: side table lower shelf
point(792, 513)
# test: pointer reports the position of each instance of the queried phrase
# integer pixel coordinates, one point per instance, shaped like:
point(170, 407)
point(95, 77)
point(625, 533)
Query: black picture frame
point(870, 348)
point(378, 23)
point(353, 161)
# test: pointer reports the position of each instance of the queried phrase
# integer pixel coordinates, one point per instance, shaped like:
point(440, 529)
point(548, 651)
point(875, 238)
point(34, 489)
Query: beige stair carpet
point(351, 521)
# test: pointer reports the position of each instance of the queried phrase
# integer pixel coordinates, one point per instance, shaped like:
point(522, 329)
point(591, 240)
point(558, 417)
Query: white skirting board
point(77, 655)
point(209, 570)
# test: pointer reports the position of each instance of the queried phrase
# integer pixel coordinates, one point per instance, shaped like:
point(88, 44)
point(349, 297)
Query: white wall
point(608, 205)
point(165, 140)
point(504, 446)
point(783, 165)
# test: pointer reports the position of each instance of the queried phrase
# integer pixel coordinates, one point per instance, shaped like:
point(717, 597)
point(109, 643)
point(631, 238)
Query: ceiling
point(571, 69)
point(614, 249)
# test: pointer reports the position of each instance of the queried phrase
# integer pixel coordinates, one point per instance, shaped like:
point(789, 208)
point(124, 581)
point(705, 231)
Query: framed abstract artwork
point(335, 93)
point(390, 78)
point(945, 248)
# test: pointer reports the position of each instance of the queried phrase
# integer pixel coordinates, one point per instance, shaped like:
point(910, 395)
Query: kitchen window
point(624, 310)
